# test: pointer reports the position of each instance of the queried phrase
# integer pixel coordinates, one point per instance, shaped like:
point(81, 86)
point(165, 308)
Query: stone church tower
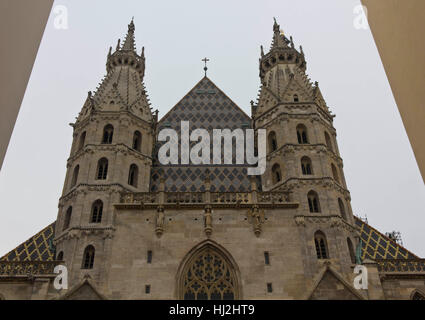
point(130, 227)
point(111, 153)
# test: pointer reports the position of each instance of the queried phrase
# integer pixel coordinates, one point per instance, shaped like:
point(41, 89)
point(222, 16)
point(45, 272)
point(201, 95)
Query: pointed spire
point(279, 39)
point(129, 43)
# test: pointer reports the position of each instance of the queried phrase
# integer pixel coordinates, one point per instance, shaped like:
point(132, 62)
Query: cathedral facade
point(131, 227)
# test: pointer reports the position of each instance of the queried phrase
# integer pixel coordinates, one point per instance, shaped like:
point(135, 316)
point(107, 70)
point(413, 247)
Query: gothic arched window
point(88, 257)
point(351, 250)
point(302, 134)
point(102, 169)
point(335, 173)
point(306, 166)
point(108, 132)
point(132, 175)
point(75, 175)
point(209, 275)
point(321, 245)
point(418, 296)
point(67, 220)
point(82, 141)
point(272, 141)
point(96, 211)
point(276, 173)
point(137, 140)
point(342, 208)
point(328, 141)
point(313, 201)
point(296, 98)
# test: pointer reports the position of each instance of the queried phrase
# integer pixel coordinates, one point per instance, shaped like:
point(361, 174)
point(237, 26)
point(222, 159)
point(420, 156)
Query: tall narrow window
point(335, 173)
point(75, 176)
point(342, 209)
point(351, 250)
point(67, 220)
point(96, 211)
point(137, 140)
point(313, 201)
point(321, 245)
point(269, 287)
point(276, 173)
point(60, 256)
point(132, 175)
point(266, 258)
point(306, 166)
point(108, 132)
point(147, 289)
point(102, 169)
point(302, 134)
point(149, 258)
point(328, 141)
point(272, 141)
point(82, 141)
point(296, 98)
point(88, 257)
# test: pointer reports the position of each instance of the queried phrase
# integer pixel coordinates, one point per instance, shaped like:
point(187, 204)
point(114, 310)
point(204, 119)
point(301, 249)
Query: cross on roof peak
point(205, 67)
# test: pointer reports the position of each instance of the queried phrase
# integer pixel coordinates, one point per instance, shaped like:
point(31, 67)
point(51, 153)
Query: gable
point(207, 107)
point(331, 288)
point(84, 292)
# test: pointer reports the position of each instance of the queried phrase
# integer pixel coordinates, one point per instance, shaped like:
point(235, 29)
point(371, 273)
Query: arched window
point(328, 141)
point(351, 250)
point(335, 173)
point(108, 132)
point(276, 173)
point(418, 296)
point(96, 211)
point(302, 134)
point(313, 201)
point(60, 256)
point(321, 245)
point(342, 208)
point(88, 258)
point(102, 169)
point(306, 166)
point(137, 140)
point(296, 98)
point(75, 175)
point(67, 220)
point(82, 141)
point(208, 275)
point(132, 175)
point(272, 141)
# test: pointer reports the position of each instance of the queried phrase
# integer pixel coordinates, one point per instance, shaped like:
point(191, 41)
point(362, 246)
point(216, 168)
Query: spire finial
point(205, 68)
point(129, 39)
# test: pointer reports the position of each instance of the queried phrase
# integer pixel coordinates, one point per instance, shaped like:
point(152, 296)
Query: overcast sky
point(380, 168)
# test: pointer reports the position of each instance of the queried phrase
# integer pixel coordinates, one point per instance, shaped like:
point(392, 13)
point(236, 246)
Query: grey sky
point(379, 165)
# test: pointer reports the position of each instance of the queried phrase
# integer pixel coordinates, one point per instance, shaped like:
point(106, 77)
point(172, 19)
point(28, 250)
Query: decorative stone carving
point(159, 222)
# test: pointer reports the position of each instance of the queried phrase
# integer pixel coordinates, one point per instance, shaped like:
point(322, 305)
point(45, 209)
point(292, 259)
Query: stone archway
point(208, 272)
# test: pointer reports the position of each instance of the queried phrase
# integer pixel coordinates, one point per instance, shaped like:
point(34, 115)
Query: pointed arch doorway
point(208, 272)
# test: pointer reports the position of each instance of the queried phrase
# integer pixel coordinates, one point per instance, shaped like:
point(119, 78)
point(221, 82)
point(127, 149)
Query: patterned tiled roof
point(206, 107)
point(376, 245)
point(37, 248)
